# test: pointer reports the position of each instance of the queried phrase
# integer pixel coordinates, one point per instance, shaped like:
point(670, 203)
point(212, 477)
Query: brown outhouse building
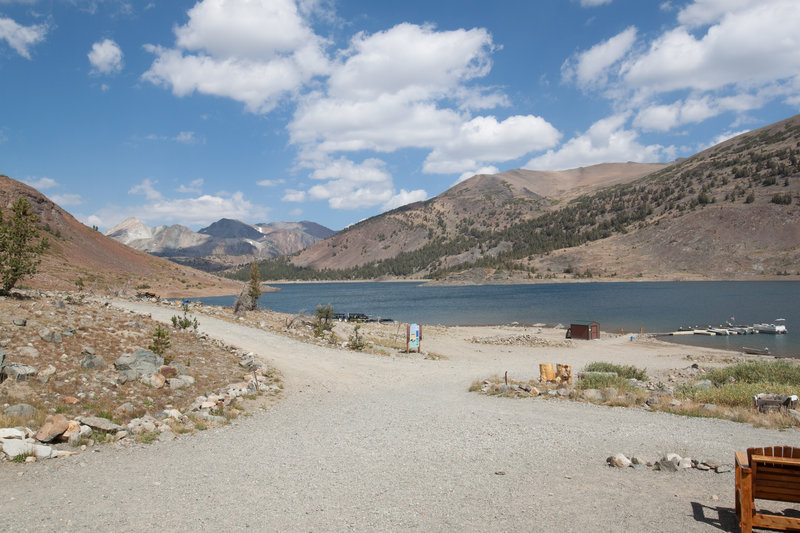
point(584, 329)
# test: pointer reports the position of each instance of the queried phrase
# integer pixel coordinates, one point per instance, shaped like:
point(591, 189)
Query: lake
point(653, 306)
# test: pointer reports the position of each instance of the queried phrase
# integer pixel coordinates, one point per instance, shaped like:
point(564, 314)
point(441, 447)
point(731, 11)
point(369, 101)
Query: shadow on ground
point(723, 518)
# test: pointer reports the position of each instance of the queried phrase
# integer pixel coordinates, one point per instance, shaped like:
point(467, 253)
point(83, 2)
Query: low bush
point(777, 372)
point(623, 371)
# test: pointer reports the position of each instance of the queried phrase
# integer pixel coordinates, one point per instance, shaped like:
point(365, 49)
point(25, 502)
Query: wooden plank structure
point(584, 329)
point(771, 473)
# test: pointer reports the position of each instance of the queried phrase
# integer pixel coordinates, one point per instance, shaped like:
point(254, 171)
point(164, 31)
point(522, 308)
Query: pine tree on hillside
point(20, 245)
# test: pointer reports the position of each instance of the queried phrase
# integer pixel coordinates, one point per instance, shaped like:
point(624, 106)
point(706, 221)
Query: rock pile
point(671, 462)
point(519, 340)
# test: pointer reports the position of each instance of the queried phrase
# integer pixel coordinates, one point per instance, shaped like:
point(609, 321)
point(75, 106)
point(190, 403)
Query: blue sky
point(185, 112)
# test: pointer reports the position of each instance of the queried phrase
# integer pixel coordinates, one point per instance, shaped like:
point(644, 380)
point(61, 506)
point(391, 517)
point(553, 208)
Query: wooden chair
point(767, 474)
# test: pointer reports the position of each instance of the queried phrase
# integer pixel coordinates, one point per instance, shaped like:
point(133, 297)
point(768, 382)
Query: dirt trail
point(375, 443)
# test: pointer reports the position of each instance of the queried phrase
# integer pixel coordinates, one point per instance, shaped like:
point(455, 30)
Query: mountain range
point(728, 212)
point(731, 212)
point(223, 244)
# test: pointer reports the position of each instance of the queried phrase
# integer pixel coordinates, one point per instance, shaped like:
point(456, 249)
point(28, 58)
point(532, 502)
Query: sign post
point(413, 336)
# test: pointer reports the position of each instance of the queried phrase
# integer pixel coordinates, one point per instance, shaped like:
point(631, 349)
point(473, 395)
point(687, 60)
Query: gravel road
point(369, 443)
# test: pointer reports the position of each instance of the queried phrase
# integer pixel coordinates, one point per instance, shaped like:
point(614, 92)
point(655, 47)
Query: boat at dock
point(777, 328)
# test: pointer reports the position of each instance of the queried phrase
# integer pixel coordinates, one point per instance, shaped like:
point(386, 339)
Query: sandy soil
point(366, 442)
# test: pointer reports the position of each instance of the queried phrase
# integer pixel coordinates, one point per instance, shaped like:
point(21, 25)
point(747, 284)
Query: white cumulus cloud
point(252, 51)
point(106, 57)
point(591, 67)
point(485, 139)
point(21, 38)
point(607, 140)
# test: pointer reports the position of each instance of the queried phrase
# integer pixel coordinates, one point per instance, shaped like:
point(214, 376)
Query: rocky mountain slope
point(79, 252)
point(224, 243)
point(729, 212)
point(481, 203)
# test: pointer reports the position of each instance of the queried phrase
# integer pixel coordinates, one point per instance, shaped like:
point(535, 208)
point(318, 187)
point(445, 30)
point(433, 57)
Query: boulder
point(156, 380)
point(96, 422)
point(15, 447)
point(28, 351)
point(609, 393)
point(46, 335)
point(140, 363)
point(593, 395)
point(180, 382)
point(93, 362)
point(54, 427)
point(19, 372)
point(21, 410)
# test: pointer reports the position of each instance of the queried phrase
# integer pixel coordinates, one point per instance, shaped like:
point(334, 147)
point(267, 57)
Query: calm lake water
point(656, 307)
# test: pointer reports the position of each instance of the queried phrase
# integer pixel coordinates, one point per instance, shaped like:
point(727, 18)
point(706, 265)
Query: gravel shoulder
point(367, 442)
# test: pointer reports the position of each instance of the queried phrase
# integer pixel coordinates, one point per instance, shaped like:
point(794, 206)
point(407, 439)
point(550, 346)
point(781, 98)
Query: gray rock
point(723, 469)
point(87, 350)
point(96, 422)
point(140, 363)
point(619, 460)
point(19, 372)
point(56, 337)
point(609, 393)
point(20, 322)
point(211, 418)
point(46, 335)
point(180, 382)
point(703, 466)
point(638, 460)
point(12, 433)
point(93, 362)
point(685, 463)
point(21, 409)
point(28, 351)
point(704, 384)
point(15, 447)
point(668, 465)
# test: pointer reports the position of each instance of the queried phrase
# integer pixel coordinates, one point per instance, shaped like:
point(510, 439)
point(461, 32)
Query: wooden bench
point(767, 474)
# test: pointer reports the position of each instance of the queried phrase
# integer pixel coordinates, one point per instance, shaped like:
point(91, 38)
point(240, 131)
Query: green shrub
point(626, 371)
point(324, 319)
point(777, 372)
point(604, 381)
point(730, 395)
point(356, 341)
point(160, 341)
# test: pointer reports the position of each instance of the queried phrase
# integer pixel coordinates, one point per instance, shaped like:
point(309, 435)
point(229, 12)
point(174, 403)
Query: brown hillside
point(77, 251)
point(483, 202)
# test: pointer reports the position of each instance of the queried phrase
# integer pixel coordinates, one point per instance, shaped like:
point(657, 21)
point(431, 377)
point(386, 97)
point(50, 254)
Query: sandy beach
point(395, 442)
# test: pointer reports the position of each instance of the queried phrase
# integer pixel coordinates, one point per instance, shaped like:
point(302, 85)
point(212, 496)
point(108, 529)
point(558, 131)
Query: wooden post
point(546, 372)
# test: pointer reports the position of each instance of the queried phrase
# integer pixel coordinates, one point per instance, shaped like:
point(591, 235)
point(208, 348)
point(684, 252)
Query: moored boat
point(777, 328)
